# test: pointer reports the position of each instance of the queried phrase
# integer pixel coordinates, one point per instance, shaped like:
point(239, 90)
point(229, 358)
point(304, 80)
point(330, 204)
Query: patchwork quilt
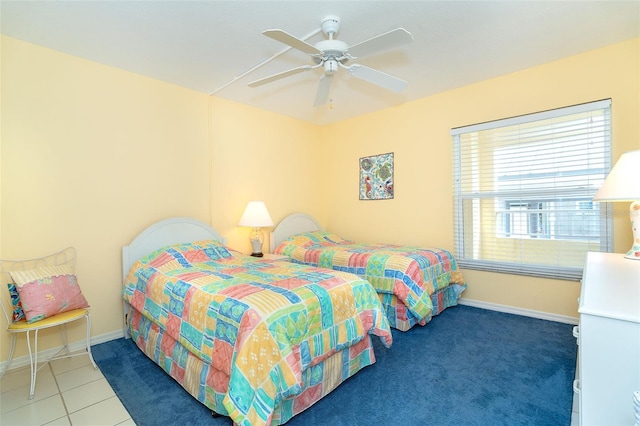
point(412, 274)
point(261, 323)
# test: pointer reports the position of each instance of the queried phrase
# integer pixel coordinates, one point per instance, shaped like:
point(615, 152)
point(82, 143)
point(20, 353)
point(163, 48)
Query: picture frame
point(376, 177)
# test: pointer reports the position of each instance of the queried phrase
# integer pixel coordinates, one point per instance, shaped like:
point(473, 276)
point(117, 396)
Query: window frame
point(536, 195)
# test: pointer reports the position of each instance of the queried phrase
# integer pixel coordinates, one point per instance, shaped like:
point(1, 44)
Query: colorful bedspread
point(262, 323)
point(412, 274)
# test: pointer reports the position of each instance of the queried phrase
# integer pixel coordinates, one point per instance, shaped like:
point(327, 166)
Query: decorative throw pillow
point(18, 313)
point(48, 291)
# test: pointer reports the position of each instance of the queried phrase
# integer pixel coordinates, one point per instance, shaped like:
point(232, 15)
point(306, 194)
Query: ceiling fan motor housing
point(331, 49)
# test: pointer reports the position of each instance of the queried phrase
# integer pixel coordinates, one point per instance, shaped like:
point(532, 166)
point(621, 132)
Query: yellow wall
point(259, 155)
point(418, 134)
point(90, 155)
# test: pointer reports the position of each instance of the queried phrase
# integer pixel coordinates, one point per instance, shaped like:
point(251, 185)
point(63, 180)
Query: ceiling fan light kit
point(331, 54)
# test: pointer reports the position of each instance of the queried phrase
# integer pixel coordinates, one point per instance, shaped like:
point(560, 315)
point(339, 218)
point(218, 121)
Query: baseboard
point(73, 347)
point(519, 311)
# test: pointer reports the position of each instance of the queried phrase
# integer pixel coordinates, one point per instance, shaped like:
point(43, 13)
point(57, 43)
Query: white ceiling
point(203, 45)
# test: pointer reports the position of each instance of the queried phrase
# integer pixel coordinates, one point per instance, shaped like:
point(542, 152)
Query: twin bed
point(253, 339)
point(414, 284)
point(261, 340)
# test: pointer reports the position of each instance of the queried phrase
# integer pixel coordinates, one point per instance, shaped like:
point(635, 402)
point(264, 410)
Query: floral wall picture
point(376, 177)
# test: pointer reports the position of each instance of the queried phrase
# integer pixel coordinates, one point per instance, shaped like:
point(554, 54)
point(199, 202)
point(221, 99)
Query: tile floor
point(68, 392)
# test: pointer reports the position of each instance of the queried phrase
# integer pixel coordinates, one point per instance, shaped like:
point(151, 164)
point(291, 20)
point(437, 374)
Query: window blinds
point(523, 189)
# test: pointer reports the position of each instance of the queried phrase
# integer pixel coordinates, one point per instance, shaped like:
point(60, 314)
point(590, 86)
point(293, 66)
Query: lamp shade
point(623, 182)
point(256, 215)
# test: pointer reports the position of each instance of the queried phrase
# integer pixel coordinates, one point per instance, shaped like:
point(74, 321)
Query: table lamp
point(623, 184)
point(256, 216)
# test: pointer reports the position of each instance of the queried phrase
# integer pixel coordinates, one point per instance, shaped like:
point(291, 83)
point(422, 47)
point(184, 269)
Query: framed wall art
point(376, 177)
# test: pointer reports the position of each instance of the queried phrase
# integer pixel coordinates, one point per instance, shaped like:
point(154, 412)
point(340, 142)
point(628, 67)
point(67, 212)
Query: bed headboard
point(166, 232)
point(295, 223)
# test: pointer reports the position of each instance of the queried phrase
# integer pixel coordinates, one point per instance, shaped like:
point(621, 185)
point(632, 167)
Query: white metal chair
point(66, 257)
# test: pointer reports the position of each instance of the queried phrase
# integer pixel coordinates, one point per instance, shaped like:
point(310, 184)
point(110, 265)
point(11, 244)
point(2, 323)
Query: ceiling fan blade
point(322, 94)
point(388, 40)
point(377, 77)
point(280, 75)
point(289, 40)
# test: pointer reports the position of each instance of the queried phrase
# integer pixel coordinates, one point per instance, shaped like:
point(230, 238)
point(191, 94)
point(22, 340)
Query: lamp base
point(634, 214)
point(256, 237)
point(633, 254)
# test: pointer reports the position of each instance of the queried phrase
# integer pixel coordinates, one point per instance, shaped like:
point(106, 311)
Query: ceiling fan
point(331, 54)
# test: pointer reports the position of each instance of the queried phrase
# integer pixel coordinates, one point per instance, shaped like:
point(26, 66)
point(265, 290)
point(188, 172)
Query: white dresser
point(608, 340)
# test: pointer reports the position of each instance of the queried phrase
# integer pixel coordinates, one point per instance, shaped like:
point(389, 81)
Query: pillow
point(187, 254)
point(309, 239)
point(18, 313)
point(48, 291)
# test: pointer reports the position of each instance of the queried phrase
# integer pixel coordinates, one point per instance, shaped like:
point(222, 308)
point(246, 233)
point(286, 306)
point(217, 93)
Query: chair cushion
point(48, 291)
point(18, 313)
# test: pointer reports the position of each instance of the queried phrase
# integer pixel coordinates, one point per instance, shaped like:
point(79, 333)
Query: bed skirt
point(208, 384)
point(399, 316)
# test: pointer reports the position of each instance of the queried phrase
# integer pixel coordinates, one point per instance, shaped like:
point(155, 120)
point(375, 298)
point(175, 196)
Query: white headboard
point(175, 230)
point(296, 223)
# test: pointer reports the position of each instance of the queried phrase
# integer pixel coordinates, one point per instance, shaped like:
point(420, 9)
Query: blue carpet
point(468, 366)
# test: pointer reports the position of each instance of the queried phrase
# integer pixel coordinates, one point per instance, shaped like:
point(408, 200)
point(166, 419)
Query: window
point(523, 189)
